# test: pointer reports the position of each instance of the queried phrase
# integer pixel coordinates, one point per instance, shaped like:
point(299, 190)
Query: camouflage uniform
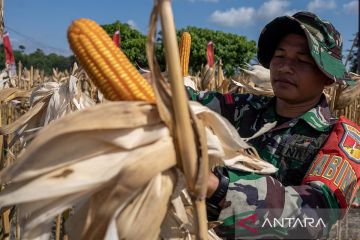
point(291, 146)
point(281, 206)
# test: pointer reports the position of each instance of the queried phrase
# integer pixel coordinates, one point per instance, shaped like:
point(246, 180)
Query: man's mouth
point(284, 81)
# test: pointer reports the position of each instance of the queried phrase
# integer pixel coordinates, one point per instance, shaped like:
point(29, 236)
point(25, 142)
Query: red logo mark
point(252, 218)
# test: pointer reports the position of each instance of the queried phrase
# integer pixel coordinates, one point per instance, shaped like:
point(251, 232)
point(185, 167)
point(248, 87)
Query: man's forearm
point(257, 206)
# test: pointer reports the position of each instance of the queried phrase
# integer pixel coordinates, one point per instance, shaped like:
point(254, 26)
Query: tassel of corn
point(185, 45)
point(106, 64)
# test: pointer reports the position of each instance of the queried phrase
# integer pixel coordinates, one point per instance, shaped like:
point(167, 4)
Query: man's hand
point(213, 183)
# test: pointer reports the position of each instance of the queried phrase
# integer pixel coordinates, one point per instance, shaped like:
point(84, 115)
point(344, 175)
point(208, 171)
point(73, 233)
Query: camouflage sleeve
point(337, 165)
point(258, 206)
point(225, 104)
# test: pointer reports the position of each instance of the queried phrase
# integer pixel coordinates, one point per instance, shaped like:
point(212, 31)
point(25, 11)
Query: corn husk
point(259, 75)
point(48, 102)
point(252, 89)
point(105, 152)
point(104, 162)
point(9, 94)
point(348, 94)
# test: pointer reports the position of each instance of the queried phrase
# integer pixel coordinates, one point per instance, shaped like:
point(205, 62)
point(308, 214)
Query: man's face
point(295, 78)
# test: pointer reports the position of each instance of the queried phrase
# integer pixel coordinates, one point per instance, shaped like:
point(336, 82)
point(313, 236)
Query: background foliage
point(39, 60)
point(234, 50)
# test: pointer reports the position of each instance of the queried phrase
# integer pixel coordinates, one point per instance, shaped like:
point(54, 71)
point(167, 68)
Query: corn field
point(15, 102)
point(30, 101)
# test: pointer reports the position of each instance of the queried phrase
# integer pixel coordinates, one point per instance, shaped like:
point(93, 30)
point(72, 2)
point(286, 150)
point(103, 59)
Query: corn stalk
point(183, 131)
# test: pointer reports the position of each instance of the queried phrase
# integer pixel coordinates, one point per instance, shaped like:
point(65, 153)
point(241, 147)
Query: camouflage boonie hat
point(324, 41)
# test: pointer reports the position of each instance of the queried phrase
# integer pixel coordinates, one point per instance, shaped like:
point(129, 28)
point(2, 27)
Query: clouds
point(351, 7)
point(132, 24)
point(248, 16)
point(234, 17)
point(272, 9)
point(318, 5)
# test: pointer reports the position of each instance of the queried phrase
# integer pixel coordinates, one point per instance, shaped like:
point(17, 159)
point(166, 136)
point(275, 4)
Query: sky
point(43, 23)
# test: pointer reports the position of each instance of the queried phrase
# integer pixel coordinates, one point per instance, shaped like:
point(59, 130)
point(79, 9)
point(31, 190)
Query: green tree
point(22, 48)
point(234, 50)
point(39, 59)
point(132, 41)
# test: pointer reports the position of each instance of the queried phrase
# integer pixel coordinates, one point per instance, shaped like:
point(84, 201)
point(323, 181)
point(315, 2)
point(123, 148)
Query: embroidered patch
point(350, 142)
point(337, 164)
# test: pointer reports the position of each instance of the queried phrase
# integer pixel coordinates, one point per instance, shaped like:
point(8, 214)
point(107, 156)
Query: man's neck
point(293, 110)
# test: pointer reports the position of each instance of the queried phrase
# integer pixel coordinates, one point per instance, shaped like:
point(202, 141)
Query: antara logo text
point(249, 223)
point(293, 222)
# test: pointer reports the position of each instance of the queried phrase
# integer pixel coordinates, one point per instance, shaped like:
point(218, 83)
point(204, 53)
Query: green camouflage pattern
point(291, 146)
point(253, 202)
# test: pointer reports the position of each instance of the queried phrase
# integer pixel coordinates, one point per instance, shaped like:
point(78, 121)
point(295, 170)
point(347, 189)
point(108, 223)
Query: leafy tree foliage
point(132, 42)
point(234, 50)
point(39, 60)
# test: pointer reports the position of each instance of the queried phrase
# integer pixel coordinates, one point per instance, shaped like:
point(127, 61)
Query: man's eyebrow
point(301, 51)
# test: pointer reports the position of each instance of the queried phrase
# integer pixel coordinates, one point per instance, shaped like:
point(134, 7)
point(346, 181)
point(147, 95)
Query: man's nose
point(286, 66)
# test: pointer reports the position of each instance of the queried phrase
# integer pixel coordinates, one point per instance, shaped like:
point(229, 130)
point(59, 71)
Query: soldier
point(317, 155)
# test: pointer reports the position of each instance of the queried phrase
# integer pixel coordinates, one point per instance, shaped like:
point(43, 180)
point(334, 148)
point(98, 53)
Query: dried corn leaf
point(253, 89)
point(33, 113)
point(141, 211)
point(112, 157)
point(8, 94)
point(349, 93)
point(48, 102)
point(108, 153)
point(226, 146)
point(259, 76)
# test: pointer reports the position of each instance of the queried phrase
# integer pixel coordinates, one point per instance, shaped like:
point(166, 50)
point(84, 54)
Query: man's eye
point(306, 61)
point(303, 61)
point(278, 55)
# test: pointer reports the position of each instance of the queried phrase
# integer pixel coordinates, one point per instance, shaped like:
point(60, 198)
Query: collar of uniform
point(269, 110)
point(259, 102)
point(319, 117)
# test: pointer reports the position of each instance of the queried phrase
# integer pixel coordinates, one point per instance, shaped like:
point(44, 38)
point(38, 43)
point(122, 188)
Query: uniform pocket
point(296, 155)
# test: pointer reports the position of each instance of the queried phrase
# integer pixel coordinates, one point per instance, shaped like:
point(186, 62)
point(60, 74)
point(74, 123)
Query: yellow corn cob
point(185, 45)
point(106, 64)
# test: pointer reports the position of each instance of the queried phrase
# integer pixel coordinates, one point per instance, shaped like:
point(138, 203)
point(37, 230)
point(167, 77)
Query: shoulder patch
point(350, 142)
point(337, 164)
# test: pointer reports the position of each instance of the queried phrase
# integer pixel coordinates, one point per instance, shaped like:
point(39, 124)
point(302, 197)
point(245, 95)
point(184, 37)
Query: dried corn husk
point(105, 153)
point(48, 102)
point(219, 76)
point(207, 81)
point(9, 94)
point(252, 89)
point(259, 76)
point(348, 94)
point(92, 154)
point(105, 162)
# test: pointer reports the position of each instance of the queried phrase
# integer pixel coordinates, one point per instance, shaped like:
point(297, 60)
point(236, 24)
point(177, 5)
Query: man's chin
point(285, 94)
